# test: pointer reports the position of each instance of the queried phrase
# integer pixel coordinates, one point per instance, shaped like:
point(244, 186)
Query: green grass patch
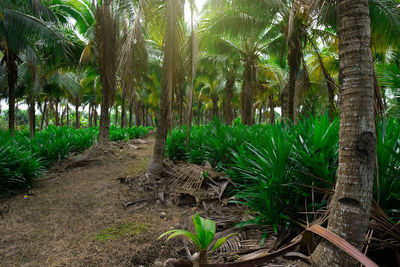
point(121, 230)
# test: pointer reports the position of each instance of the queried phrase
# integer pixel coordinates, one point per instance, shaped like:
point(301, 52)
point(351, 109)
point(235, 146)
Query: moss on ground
point(121, 230)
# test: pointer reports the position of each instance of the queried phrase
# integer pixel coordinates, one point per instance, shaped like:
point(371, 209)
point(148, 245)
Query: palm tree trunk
point(43, 114)
point(144, 115)
point(350, 207)
point(67, 107)
point(130, 114)
point(107, 44)
point(62, 116)
point(271, 109)
point(123, 108)
point(116, 115)
point(47, 114)
point(56, 111)
point(77, 115)
point(171, 51)
point(247, 95)
point(332, 87)
point(95, 115)
point(32, 118)
point(260, 115)
point(193, 59)
point(227, 105)
point(215, 107)
point(12, 74)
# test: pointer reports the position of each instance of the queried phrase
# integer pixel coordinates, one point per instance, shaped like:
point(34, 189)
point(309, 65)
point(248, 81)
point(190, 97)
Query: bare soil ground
point(76, 217)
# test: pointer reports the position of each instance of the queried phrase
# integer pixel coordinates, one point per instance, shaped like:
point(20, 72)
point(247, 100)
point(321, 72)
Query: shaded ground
point(76, 218)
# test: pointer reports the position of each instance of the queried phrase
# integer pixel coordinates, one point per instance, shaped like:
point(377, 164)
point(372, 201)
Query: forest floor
point(76, 216)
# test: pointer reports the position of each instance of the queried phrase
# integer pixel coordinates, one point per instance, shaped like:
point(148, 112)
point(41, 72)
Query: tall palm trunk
point(215, 111)
point(123, 107)
point(169, 78)
point(116, 115)
point(90, 115)
point(44, 111)
point(350, 207)
point(67, 107)
point(95, 115)
point(32, 118)
point(57, 100)
point(227, 104)
point(271, 109)
point(247, 95)
point(130, 114)
point(193, 59)
point(294, 42)
point(107, 45)
point(12, 74)
point(77, 115)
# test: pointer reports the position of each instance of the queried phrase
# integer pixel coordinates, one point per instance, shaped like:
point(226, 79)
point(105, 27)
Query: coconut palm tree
point(106, 36)
point(20, 31)
point(170, 11)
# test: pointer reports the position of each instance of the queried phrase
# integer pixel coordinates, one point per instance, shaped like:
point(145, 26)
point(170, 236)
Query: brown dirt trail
point(76, 218)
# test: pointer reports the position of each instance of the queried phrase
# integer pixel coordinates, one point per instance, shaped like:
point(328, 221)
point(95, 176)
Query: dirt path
point(75, 218)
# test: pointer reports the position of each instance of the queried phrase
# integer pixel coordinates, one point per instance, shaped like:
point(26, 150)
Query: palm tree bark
point(130, 114)
point(193, 59)
point(350, 207)
point(67, 107)
point(247, 95)
point(123, 107)
point(227, 104)
point(294, 43)
point(44, 114)
point(116, 115)
point(332, 87)
point(12, 74)
point(107, 45)
point(95, 115)
point(32, 118)
point(77, 115)
point(57, 100)
point(168, 84)
point(271, 109)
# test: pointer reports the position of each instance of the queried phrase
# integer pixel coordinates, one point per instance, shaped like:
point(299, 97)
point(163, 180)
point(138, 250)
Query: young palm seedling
point(202, 239)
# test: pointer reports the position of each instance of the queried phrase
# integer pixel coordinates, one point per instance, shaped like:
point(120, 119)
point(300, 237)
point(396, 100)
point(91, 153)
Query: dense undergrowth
point(275, 166)
point(22, 158)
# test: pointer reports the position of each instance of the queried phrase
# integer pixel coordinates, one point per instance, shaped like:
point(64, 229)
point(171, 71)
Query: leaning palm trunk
point(169, 79)
point(332, 87)
point(350, 207)
point(107, 44)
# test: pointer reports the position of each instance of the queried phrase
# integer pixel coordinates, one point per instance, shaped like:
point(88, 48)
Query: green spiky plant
point(203, 238)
